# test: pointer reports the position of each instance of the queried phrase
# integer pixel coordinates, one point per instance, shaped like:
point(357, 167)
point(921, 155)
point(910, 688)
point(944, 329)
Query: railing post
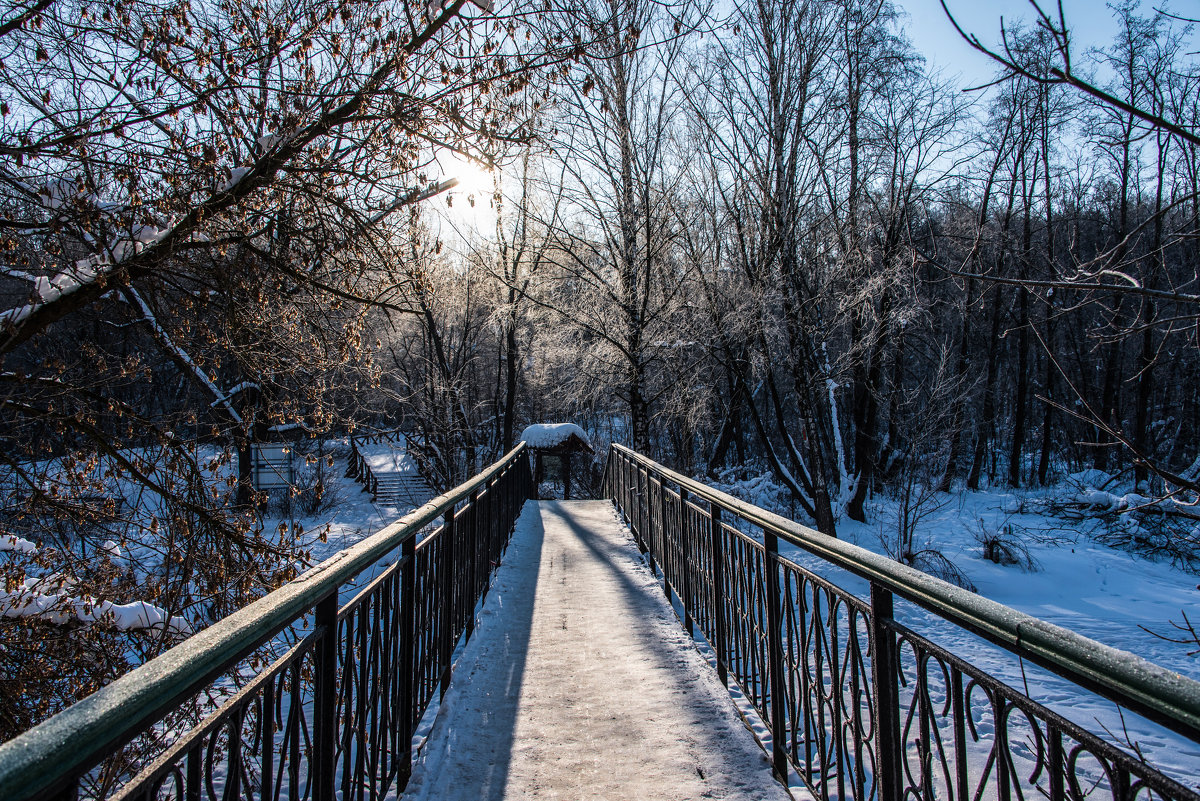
point(662, 533)
point(885, 678)
point(194, 771)
point(325, 699)
point(71, 791)
point(648, 527)
point(266, 734)
point(481, 549)
point(635, 503)
point(685, 558)
point(407, 664)
point(446, 588)
point(718, 585)
point(773, 573)
point(627, 473)
point(622, 486)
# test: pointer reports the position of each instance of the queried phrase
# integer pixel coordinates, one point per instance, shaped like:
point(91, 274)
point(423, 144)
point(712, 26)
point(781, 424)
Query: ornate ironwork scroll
point(861, 707)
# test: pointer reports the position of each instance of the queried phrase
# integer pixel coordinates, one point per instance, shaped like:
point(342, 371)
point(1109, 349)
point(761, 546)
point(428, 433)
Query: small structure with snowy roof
point(559, 440)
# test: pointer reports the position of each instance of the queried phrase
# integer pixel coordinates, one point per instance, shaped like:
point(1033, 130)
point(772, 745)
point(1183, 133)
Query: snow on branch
point(47, 599)
point(11, 542)
point(184, 359)
point(28, 600)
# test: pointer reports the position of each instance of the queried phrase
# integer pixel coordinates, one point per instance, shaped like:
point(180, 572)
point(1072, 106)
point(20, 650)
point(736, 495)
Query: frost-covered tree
point(195, 200)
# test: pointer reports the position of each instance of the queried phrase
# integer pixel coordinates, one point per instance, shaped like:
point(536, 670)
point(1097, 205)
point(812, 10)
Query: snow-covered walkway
point(579, 683)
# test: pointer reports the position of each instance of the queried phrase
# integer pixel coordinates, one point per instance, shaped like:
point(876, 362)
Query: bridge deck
point(580, 683)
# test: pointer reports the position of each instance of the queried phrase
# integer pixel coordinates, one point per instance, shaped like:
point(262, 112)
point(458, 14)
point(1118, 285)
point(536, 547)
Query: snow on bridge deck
point(579, 682)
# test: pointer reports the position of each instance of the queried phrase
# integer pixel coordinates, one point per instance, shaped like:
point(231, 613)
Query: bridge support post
point(777, 676)
point(718, 585)
point(325, 700)
point(885, 678)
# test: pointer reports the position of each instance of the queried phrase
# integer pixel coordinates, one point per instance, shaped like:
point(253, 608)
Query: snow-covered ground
point(350, 516)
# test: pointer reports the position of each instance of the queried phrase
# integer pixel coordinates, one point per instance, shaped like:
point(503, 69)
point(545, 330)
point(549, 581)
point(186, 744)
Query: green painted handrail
point(1165, 696)
point(76, 739)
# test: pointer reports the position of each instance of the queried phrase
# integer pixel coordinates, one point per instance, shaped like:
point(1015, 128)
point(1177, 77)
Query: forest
point(739, 238)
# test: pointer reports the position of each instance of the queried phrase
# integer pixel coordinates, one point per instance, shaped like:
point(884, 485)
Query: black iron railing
point(862, 707)
point(331, 717)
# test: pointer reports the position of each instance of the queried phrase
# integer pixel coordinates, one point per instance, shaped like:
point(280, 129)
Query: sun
point(468, 206)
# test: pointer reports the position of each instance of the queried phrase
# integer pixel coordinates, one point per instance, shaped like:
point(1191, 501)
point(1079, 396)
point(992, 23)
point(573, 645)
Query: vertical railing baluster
point(663, 559)
point(295, 710)
point(1003, 757)
point(885, 675)
point(959, 710)
point(325, 700)
point(349, 684)
point(636, 523)
point(446, 571)
point(1057, 766)
point(685, 558)
point(718, 585)
point(631, 492)
point(71, 792)
point(195, 775)
point(266, 723)
point(771, 574)
point(407, 662)
point(480, 558)
point(629, 489)
point(233, 761)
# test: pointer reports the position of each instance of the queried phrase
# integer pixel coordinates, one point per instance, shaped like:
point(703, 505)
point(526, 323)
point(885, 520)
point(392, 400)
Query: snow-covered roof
point(551, 435)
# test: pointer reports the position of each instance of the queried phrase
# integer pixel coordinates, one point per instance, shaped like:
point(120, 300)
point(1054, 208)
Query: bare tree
point(193, 202)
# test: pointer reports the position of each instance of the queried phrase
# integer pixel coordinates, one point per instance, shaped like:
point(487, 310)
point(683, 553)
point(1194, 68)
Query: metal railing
point(862, 707)
point(359, 469)
point(331, 717)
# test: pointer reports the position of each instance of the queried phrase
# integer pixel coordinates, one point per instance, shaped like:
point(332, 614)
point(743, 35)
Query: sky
point(1090, 21)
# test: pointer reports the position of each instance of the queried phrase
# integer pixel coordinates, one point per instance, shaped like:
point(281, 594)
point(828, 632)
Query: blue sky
point(1091, 24)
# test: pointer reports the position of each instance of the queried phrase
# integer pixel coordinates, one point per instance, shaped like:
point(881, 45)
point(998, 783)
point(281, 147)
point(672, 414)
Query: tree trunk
point(510, 374)
point(987, 415)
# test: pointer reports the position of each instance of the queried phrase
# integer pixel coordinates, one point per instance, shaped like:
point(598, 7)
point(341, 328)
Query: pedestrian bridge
point(654, 645)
